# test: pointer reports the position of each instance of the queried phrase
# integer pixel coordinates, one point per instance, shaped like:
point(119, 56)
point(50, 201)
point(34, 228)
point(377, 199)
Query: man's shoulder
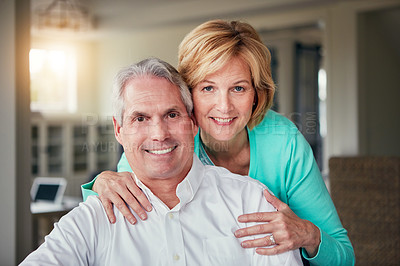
point(244, 191)
point(91, 207)
point(226, 178)
point(87, 216)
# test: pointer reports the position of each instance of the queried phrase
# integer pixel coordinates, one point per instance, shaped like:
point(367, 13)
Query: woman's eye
point(208, 88)
point(238, 89)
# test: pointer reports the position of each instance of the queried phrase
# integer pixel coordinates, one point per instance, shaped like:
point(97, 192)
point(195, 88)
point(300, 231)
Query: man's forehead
point(147, 95)
point(148, 86)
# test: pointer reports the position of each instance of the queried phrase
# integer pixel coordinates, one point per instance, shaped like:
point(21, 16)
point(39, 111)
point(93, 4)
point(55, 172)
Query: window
point(53, 80)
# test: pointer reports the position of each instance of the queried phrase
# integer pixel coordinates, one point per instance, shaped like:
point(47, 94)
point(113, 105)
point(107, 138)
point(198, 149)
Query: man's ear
point(195, 126)
point(117, 131)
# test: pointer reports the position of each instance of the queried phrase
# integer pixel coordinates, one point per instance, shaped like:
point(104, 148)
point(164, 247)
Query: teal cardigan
point(282, 159)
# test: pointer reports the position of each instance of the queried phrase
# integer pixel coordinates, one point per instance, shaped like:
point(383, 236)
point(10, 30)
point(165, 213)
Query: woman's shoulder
point(276, 123)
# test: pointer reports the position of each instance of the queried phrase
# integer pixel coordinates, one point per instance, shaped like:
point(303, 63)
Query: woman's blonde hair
point(209, 46)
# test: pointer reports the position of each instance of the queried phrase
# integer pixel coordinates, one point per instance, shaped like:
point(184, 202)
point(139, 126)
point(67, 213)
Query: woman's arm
point(309, 198)
point(311, 208)
point(288, 230)
point(119, 189)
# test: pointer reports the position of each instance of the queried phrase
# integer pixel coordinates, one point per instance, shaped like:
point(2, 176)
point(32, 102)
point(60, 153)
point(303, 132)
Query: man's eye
point(172, 115)
point(140, 119)
point(208, 88)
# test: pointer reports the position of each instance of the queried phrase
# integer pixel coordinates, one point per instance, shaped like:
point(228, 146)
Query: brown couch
point(366, 193)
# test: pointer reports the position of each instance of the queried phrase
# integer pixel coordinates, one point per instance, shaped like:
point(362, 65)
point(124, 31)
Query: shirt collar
point(185, 190)
point(190, 185)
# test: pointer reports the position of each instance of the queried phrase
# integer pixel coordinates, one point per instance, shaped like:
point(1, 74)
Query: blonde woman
point(227, 68)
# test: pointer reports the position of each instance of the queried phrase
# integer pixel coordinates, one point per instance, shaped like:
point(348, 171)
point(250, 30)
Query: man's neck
point(166, 193)
point(164, 189)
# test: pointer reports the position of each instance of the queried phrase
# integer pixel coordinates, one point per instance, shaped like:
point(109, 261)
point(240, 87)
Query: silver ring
point(272, 239)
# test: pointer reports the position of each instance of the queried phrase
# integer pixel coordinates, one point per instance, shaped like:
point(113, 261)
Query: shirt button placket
point(174, 236)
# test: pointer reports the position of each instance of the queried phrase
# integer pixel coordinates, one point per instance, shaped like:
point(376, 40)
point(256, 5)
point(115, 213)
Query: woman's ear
point(255, 102)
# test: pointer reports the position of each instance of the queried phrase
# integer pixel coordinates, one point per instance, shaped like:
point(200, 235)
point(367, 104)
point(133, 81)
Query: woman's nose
point(224, 102)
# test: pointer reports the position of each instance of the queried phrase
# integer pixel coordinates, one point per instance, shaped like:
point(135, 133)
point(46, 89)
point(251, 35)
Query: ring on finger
point(272, 239)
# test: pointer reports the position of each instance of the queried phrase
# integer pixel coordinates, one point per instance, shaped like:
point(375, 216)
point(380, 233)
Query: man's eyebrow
point(137, 113)
point(174, 109)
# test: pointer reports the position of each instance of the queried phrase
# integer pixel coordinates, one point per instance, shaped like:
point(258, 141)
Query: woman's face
point(223, 101)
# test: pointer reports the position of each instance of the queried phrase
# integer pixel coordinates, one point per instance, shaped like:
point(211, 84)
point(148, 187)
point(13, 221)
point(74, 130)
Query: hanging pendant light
point(62, 15)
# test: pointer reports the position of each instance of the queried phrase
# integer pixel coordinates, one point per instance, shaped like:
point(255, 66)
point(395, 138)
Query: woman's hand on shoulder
point(288, 230)
point(120, 189)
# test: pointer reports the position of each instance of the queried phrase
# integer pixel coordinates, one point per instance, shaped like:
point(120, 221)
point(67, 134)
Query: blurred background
point(336, 64)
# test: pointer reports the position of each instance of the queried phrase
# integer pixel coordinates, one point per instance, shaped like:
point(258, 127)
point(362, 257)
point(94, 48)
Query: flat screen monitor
point(49, 189)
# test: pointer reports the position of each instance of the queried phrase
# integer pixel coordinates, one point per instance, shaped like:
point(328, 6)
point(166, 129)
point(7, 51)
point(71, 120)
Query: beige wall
point(379, 83)
point(8, 130)
point(15, 218)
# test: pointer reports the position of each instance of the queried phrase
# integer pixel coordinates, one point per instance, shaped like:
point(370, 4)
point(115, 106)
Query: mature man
point(195, 206)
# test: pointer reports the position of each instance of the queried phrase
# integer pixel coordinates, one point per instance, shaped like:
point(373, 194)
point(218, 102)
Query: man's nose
point(159, 131)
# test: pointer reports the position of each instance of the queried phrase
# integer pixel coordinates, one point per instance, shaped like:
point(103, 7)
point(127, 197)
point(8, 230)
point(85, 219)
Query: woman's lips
point(223, 121)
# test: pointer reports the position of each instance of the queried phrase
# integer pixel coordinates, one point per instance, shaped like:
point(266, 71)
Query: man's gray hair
point(148, 67)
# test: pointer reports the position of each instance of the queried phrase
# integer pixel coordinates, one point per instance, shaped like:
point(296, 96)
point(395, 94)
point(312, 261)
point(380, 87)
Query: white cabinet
point(69, 147)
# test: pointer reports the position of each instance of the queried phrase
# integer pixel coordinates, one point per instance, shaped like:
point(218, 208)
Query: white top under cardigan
point(197, 231)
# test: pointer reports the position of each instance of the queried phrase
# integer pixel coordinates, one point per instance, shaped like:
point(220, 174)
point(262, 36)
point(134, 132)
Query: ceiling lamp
point(62, 15)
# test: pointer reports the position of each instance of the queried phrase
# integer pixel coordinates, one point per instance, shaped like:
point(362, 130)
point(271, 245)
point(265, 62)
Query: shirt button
point(171, 216)
point(176, 257)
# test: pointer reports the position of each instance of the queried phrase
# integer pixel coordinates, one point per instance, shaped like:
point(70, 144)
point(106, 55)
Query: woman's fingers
point(132, 201)
point(274, 201)
point(272, 246)
point(254, 230)
point(139, 195)
point(121, 190)
point(109, 209)
point(259, 242)
point(272, 251)
point(256, 217)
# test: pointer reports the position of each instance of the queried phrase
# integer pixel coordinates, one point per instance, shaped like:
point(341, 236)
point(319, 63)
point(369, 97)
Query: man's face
point(157, 133)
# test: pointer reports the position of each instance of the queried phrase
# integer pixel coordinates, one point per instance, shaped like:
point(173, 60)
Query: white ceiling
point(125, 15)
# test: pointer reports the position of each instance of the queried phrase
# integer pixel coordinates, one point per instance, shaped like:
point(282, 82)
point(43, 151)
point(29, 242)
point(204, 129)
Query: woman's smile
point(223, 101)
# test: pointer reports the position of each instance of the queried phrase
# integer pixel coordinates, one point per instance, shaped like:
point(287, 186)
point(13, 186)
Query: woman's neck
point(233, 154)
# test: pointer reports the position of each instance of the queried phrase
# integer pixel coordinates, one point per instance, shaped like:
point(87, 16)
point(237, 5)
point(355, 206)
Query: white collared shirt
point(197, 231)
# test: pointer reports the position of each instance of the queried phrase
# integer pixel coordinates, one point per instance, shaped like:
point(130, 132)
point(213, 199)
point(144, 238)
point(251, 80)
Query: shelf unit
point(69, 147)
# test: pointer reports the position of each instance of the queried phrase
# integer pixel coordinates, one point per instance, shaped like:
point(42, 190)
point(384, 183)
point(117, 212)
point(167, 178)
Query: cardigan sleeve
point(123, 166)
point(309, 198)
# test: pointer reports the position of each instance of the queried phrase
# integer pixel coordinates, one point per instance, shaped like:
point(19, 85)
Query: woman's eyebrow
point(242, 81)
point(236, 82)
point(207, 81)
